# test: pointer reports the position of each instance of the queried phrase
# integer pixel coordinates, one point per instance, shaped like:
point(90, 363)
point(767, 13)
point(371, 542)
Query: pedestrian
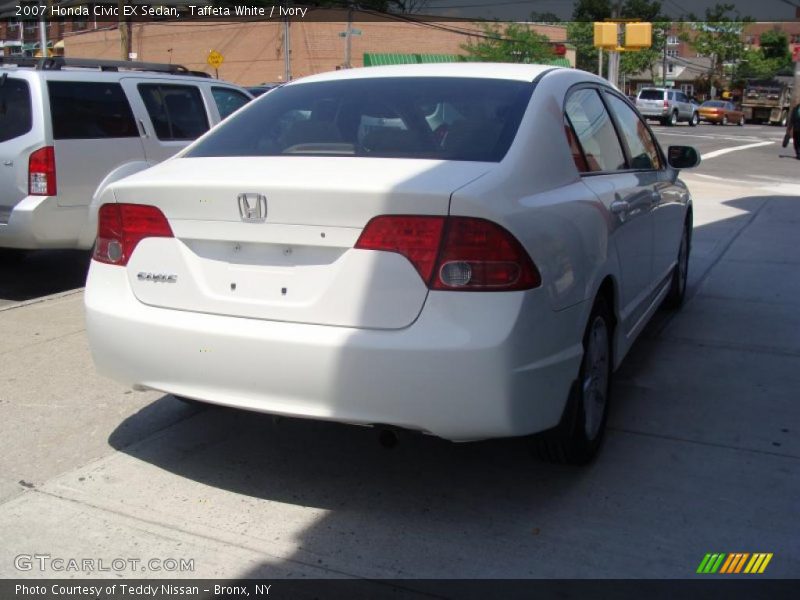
point(793, 130)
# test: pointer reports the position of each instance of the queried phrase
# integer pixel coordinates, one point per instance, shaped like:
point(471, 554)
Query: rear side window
point(595, 132)
point(651, 95)
point(176, 111)
point(15, 108)
point(228, 101)
point(89, 110)
point(448, 118)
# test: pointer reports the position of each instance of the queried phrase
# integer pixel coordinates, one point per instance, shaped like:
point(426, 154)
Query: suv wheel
point(694, 120)
point(577, 438)
point(673, 119)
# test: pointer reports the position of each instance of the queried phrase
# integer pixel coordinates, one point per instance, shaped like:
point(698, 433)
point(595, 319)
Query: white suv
point(70, 127)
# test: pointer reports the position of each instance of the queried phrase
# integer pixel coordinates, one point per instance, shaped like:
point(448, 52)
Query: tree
point(775, 44)
point(718, 37)
point(516, 43)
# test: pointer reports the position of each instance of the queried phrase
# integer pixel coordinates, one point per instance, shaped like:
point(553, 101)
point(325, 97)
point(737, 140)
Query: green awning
point(373, 59)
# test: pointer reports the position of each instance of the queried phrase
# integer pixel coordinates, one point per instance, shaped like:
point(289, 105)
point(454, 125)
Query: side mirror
point(682, 157)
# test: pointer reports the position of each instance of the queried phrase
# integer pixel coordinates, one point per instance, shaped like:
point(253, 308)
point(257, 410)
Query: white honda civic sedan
point(467, 250)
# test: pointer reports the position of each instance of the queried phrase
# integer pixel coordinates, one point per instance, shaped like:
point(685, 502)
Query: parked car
point(720, 112)
point(71, 127)
point(396, 246)
point(668, 106)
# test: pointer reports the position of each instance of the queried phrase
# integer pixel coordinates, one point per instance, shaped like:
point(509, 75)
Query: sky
point(510, 10)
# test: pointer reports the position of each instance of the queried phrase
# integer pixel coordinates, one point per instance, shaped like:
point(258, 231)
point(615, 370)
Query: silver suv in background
point(666, 105)
point(71, 127)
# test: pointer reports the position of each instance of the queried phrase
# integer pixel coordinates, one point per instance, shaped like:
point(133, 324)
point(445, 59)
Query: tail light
point(120, 227)
point(42, 172)
point(454, 253)
point(666, 103)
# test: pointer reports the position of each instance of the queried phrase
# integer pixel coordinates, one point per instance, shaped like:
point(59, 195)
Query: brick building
point(254, 51)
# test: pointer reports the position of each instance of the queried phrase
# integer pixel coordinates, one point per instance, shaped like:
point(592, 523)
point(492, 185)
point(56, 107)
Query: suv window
point(641, 146)
point(176, 111)
point(594, 130)
point(89, 110)
point(651, 95)
point(447, 118)
point(15, 108)
point(682, 97)
point(228, 101)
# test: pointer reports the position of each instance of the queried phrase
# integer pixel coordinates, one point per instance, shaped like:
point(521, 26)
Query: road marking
point(718, 137)
point(722, 151)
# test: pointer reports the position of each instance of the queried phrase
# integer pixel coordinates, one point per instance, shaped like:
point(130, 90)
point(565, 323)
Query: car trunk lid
point(272, 237)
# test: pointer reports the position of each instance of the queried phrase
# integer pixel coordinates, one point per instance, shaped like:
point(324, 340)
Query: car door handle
point(8, 163)
point(142, 129)
point(620, 207)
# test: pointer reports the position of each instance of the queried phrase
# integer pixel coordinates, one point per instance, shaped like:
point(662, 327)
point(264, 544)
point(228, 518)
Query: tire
point(673, 119)
point(724, 119)
point(741, 121)
point(680, 274)
point(784, 118)
point(693, 122)
point(191, 402)
point(578, 437)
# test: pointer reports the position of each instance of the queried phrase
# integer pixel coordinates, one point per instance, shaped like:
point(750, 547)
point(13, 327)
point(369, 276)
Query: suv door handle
point(142, 129)
point(620, 207)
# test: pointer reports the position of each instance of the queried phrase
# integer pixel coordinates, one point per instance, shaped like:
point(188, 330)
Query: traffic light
point(638, 35)
point(605, 35)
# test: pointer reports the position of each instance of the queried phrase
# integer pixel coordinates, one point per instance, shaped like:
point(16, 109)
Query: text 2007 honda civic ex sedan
point(467, 250)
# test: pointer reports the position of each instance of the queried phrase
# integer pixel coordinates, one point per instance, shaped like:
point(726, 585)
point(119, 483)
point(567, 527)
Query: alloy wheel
point(595, 380)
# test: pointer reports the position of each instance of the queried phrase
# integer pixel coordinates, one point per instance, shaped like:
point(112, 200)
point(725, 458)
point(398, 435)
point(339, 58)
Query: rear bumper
point(37, 222)
point(654, 113)
point(472, 366)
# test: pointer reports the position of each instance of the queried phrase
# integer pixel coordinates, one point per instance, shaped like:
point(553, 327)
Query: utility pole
point(796, 84)
point(599, 62)
point(613, 56)
point(287, 51)
point(124, 31)
point(42, 33)
point(348, 37)
point(664, 65)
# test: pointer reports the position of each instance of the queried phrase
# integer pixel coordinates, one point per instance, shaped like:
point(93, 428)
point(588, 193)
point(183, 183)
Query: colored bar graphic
point(741, 563)
point(716, 565)
point(728, 564)
point(765, 563)
point(703, 563)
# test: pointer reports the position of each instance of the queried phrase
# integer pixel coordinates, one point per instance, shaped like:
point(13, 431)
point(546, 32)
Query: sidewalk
point(703, 452)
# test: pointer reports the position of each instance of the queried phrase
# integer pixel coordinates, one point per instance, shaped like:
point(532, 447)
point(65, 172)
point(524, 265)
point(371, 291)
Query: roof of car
point(515, 71)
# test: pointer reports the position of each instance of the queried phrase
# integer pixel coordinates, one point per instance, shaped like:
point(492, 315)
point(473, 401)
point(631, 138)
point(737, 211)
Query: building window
point(670, 67)
point(795, 38)
point(13, 26)
point(672, 40)
point(688, 89)
point(80, 24)
point(672, 53)
point(749, 40)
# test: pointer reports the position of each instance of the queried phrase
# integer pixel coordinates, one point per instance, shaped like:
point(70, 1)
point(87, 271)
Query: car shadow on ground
point(25, 275)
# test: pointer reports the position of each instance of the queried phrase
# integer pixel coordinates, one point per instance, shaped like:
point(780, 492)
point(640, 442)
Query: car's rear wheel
point(578, 437)
point(680, 274)
point(741, 121)
point(694, 120)
point(725, 119)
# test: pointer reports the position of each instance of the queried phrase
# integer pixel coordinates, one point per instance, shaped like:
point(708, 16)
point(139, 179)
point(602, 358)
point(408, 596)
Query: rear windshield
point(714, 104)
point(651, 95)
point(15, 108)
point(390, 117)
point(89, 110)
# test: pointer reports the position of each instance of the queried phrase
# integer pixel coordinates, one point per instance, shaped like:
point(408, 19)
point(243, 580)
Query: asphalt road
point(702, 455)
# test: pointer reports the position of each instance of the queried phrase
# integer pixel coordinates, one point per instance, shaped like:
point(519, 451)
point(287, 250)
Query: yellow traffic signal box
point(638, 35)
point(605, 35)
